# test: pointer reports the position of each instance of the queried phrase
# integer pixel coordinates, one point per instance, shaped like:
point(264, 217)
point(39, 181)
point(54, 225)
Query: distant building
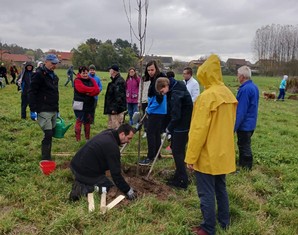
point(64, 57)
point(234, 64)
point(18, 59)
point(165, 62)
point(195, 63)
point(267, 67)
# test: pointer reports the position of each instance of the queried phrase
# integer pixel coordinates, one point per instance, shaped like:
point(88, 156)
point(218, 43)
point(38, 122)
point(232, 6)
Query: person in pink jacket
point(132, 92)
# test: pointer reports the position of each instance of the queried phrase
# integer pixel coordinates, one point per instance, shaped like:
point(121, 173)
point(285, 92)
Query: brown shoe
point(199, 231)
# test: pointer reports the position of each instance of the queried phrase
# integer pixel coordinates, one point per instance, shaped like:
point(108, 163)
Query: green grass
point(263, 201)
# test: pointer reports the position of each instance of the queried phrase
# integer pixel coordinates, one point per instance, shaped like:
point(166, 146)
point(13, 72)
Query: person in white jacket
point(192, 84)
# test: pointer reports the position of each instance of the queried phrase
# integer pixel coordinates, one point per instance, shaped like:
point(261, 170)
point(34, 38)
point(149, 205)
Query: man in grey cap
point(43, 102)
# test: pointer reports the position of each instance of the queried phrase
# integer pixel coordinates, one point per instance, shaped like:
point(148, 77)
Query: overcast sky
point(184, 29)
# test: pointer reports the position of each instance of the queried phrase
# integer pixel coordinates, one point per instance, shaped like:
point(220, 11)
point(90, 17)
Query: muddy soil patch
point(141, 185)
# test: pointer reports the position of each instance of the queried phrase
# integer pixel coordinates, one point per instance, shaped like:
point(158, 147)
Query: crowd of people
point(201, 126)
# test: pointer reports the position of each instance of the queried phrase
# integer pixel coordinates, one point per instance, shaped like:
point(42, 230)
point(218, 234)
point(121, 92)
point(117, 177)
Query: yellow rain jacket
point(211, 136)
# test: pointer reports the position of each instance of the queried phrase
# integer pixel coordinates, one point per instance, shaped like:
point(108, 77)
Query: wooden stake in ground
point(160, 147)
point(115, 202)
point(103, 201)
point(91, 206)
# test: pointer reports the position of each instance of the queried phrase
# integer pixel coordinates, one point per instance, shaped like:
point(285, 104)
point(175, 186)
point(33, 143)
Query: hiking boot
point(79, 190)
point(199, 231)
point(178, 184)
point(145, 162)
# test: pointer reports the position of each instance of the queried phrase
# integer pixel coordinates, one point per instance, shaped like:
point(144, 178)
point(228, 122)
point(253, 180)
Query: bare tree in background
point(139, 34)
point(276, 48)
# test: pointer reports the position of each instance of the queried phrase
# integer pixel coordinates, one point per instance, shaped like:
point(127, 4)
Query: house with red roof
point(18, 59)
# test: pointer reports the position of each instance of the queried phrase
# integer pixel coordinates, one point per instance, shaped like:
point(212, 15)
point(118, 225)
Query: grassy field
point(263, 201)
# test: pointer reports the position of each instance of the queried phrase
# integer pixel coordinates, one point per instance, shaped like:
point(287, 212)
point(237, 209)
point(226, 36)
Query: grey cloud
point(183, 29)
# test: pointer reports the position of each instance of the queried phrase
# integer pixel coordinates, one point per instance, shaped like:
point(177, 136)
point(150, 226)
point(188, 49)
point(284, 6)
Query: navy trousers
point(244, 146)
point(210, 187)
point(179, 140)
point(282, 94)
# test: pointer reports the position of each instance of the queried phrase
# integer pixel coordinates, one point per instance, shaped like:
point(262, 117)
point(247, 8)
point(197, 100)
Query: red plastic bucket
point(47, 167)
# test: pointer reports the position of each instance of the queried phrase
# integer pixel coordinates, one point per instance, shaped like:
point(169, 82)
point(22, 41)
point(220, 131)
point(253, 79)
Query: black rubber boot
point(46, 152)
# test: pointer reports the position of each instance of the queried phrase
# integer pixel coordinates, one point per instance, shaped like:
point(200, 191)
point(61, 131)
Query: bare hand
point(190, 166)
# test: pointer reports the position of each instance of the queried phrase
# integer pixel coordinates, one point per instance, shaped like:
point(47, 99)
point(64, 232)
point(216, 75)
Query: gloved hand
point(33, 116)
point(131, 195)
point(138, 126)
point(58, 115)
point(169, 136)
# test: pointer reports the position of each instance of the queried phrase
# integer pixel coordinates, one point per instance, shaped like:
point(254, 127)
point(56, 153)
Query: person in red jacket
point(85, 89)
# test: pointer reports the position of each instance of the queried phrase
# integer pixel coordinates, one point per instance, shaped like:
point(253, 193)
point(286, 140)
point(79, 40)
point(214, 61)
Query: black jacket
point(152, 91)
point(3, 71)
point(115, 97)
point(100, 154)
point(43, 92)
point(25, 78)
point(180, 107)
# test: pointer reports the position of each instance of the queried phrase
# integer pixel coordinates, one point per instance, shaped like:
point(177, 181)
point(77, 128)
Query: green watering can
point(60, 128)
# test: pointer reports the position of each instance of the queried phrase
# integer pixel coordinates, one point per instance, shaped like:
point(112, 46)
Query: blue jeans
point(209, 187)
point(282, 94)
point(244, 146)
point(70, 78)
point(131, 108)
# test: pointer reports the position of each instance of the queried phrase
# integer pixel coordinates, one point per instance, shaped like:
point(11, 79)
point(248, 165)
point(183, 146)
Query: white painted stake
point(91, 206)
point(103, 201)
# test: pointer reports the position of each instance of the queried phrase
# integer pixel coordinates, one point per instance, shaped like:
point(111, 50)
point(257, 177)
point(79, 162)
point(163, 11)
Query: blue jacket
point(157, 108)
point(247, 110)
point(97, 79)
point(283, 84)
point(157, 103)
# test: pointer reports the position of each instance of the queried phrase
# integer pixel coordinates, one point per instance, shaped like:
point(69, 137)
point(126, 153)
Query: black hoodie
point(43, 92)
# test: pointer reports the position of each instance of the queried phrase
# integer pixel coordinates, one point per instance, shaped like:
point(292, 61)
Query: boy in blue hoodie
point(180, 106)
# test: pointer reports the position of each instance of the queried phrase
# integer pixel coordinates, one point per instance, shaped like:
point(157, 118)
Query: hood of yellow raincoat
point(210, 72)
point(209, 75)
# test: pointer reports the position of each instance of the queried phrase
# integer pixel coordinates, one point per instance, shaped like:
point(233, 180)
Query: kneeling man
point(98, 155)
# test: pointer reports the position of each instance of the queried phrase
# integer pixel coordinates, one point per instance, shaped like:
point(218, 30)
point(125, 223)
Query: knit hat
point(114, 67)
point(92, 66)
point(285, 77)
